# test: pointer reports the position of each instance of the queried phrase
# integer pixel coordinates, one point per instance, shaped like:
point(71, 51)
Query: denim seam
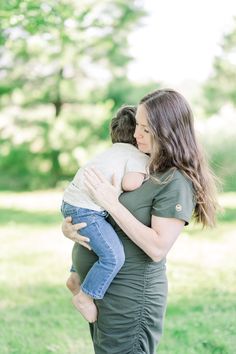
point(114, 272)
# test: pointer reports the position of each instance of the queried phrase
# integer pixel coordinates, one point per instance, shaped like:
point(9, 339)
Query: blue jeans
point(104, 242)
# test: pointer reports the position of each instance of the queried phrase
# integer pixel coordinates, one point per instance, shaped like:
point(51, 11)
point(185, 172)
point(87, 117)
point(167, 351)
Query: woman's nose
point(136, 132)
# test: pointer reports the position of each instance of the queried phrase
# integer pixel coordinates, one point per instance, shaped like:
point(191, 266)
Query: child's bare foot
point(85, 305)
point(73, 283)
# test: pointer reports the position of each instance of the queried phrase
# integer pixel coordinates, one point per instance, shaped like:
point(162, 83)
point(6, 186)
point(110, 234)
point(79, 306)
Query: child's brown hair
point(123, 125)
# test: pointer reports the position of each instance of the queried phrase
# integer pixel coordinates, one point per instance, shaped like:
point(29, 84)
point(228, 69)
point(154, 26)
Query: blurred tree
point(220, 87)
point(120, 91)
point(58, 58)
point(219, 102)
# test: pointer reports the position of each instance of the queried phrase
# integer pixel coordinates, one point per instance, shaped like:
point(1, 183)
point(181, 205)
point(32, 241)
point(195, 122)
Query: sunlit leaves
point(220, 88)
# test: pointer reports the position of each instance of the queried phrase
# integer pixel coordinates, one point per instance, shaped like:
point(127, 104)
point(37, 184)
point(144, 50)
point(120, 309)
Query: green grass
point(36, 315)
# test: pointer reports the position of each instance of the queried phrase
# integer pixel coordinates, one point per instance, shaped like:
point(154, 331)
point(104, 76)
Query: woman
point(148, 222)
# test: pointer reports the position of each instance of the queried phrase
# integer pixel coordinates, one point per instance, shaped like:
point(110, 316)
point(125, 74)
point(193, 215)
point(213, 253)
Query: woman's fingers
point(71, 231)
point(96, 176)
point(82, 240)
point(90, 182)
point(85, 244)
point(77, 237)
point(79, 226)
point(91, 176)
point(114, 180)
point(99, 174)
point(95, 180)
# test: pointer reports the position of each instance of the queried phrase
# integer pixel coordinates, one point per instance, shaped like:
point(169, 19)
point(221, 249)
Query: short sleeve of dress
point(175, 200)
point(137, 162)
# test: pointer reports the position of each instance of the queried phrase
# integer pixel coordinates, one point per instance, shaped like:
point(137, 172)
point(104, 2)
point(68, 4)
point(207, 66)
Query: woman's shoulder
point(173, 178)
point(181, 177)
point(175, 198)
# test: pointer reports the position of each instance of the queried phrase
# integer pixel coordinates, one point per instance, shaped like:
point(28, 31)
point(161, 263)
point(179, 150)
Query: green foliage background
point(63, 71)
point(63, 74)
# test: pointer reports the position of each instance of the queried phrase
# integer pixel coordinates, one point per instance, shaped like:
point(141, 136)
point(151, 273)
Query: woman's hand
point(70, 231)
point(101, 190)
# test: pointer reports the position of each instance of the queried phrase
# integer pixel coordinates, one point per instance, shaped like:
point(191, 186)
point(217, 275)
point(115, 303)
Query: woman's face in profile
point(142, 132)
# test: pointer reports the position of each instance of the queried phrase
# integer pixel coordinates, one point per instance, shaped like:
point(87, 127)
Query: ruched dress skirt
point(130, 316)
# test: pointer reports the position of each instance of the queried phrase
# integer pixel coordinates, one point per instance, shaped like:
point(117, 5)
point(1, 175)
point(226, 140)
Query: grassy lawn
point(36, 315)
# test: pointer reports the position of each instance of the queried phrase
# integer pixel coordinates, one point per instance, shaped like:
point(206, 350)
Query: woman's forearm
point(155, 241)
point(143, 236)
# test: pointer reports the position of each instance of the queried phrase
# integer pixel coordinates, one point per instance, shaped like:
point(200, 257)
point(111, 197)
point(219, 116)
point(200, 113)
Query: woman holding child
point(148, 220)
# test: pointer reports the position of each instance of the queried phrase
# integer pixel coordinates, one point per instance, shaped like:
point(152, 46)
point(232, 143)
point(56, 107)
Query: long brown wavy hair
point(174, 145)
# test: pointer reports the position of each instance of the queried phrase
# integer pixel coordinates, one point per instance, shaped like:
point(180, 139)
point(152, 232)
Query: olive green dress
point(130, 319)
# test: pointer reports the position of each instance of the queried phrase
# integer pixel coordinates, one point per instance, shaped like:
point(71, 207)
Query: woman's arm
point(156, 240)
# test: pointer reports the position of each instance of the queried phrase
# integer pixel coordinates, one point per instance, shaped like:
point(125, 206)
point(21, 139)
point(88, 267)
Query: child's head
point(123, 125)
